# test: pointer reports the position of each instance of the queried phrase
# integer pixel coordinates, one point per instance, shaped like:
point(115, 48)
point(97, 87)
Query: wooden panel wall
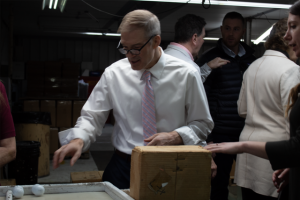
point(101, 52)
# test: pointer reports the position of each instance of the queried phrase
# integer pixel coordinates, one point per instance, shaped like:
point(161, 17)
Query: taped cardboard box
point(170, 173)
point(32, 106)
point(50, 107)
point(77, 106)
point(64, 114)
point(85, 177)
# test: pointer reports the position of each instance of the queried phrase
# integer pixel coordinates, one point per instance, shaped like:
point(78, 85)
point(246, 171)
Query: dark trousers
point(219, 185)
point(117, 172)
point(249, 194)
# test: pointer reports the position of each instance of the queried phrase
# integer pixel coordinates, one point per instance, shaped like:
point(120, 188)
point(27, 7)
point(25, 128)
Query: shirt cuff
point(206, 68)
point(188, 136)
point(66, 136)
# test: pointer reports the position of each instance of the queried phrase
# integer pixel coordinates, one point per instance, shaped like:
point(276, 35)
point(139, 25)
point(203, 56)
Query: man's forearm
point(6, 155)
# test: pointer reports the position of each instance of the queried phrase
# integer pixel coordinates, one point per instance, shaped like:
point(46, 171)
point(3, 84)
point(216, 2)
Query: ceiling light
point(229, 3)
point(50, 4)
point(263, 36)
point(210, 38)
point(55, 4)
point(106, 34)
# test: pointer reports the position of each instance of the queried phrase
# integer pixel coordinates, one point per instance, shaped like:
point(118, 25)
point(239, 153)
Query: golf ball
point(38, 190)
point(18, 191)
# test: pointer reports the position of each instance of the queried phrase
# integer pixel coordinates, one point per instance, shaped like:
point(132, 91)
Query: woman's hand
point(281, 178)
point(226, 147)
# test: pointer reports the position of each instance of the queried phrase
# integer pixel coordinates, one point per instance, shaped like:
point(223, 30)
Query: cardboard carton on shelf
point(32, 106)
point(50, 107)
point(54, 142)
point(64, 114)
point(77, 106)
point(170, 172)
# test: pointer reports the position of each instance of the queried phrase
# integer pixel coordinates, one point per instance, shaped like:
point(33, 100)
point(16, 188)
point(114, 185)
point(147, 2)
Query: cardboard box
point(64, 114)
point(170, 173)
point(7, 182)
point(54, 142)
point(50, 107)
point(77, 106)
point(85, 177)
point(32, 106)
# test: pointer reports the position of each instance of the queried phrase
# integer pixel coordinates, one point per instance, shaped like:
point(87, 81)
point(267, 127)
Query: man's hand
point(281, 178)
point(213, 168)
point(217, 62)
point(73, 149)
point(164, 139)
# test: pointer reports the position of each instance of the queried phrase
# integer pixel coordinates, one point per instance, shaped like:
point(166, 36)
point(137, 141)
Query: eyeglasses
point(132, 51)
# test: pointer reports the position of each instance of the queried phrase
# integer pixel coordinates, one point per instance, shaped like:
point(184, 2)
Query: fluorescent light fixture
point(55, 4)
point(106, 34)
point(228, 3)
point(263, 36)
point(50, 4)
point(44, 4)
point(212, 38)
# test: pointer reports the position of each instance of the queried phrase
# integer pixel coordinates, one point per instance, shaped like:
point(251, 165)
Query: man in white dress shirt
point(189, 38)
point(181, 110)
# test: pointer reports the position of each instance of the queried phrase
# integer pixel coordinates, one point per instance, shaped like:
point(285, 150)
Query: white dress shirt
point(184, 54)
point(180, 103)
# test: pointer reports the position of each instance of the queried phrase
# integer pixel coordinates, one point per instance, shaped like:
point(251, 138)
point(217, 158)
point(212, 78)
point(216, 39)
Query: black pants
point(249, 194)
point(219, 185)
point(117, 172)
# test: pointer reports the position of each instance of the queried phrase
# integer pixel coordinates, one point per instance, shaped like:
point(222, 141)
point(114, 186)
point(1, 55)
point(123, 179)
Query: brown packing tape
point(85, 177)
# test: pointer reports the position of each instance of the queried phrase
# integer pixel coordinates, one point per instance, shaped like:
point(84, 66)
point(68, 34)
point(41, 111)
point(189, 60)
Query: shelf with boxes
point(55, 79)
point(64, 114)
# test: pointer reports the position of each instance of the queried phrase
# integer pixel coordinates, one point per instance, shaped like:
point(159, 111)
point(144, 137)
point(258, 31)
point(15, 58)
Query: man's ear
point(156, 41)
point(194, 39)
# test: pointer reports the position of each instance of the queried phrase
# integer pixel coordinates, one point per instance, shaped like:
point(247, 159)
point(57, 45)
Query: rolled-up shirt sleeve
point(93, 116)
point(198, 118)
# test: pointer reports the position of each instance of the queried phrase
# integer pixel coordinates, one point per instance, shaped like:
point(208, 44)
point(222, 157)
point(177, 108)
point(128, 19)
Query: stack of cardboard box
point(53, 79)
point(64, 115)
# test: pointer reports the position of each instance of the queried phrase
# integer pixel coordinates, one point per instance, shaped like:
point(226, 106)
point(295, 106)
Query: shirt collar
point(158, 68)
point(184, 48)
point(230, 53)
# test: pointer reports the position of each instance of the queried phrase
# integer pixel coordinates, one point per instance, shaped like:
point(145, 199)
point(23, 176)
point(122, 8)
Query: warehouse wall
point(99, 51)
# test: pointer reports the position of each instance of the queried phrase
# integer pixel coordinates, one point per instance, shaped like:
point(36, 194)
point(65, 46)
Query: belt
point(124, 156)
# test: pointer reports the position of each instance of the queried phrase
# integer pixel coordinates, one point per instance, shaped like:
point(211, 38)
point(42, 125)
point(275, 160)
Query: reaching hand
point(164, 139)
point(73, 149)
point(227, 147)
point(281, 178)
point(217, 62)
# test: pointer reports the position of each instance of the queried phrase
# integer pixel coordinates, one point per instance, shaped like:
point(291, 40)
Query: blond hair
point(141, 19)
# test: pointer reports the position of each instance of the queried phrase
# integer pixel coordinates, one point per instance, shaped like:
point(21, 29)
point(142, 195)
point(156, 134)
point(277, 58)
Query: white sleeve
point(93, 116)
point(198, 118)
point(242, 101)
point(288, 80)
point(205, 72)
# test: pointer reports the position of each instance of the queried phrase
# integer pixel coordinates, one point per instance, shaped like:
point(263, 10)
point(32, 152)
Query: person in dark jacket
point(222, 87)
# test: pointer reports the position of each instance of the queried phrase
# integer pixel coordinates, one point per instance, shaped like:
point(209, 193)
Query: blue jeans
point(117, 172)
